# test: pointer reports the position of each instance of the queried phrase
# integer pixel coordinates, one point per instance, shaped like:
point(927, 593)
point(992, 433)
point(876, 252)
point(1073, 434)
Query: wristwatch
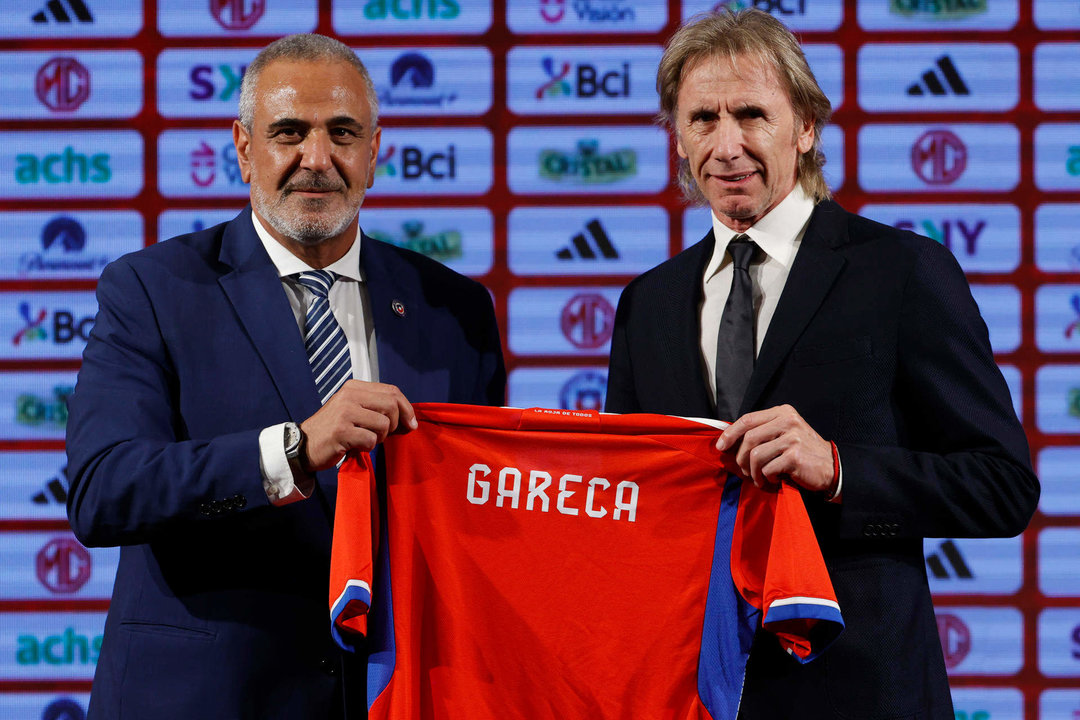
point(295, 439)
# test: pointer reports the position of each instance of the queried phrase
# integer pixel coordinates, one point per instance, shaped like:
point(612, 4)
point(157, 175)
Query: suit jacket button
point(204, 509)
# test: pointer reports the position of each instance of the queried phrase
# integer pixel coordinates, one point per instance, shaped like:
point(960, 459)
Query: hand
point(777, 444)
point(357, 417)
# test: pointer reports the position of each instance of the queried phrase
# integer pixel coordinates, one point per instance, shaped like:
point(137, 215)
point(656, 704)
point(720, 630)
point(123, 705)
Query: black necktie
point(735, 341)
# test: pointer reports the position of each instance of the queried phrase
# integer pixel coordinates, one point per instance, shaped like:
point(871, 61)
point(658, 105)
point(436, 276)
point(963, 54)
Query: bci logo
point(64, 167)
point(414, 163)
point(216, 82)
point(411, 9)
point(583, 80)
point(65, 326)
point(66, 648)
point(953, 234)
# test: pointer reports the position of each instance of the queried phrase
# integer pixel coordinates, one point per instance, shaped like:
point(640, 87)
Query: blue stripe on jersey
point(730, 621)
point(352, 593)
point(830, 624)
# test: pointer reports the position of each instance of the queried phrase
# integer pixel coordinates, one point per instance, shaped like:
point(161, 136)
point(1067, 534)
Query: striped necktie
point(327, 347)
point(735, 341)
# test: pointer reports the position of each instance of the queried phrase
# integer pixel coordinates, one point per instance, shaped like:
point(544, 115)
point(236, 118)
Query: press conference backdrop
point(518, 148)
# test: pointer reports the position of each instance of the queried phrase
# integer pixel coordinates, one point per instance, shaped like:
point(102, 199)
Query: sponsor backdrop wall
point(518, 149)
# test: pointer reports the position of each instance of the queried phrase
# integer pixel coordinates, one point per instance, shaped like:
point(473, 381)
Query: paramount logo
point(588, 165)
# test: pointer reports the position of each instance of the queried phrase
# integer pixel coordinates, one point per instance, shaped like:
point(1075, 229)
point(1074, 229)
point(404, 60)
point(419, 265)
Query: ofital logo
point(204, 86)
point(938, 9)
point(65, 327)
point(588, 165)
point(205, 164)
point(237, 14)
point(587, 320)
point(594, 11)
point(63, 565)
point(442, 246)
point(953, 234)
point(62, 236)
point(35, 411)
point(66, 648)
point(410, 75)
point(939, 157)
point(62, 84)
point(955, 638)
point(776, 7)
point(1073, 401)
point(412, 9)
point(588, 81)
point(414, 164)
point(64, 167)
point(584, 391)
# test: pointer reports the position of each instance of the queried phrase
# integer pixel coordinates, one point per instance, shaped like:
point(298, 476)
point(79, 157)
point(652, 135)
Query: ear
point(679, 147)
point(374, 156)
point(242, 141)
point(804, 138)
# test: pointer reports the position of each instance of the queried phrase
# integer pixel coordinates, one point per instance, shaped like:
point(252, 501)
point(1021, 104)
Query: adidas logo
point(63, 11)
point(951, 554)
point(940, 80)
point(55, 491)
point(580, 248)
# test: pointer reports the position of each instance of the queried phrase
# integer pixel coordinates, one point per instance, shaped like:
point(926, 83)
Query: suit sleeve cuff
point(835, 496)
point(278, 482)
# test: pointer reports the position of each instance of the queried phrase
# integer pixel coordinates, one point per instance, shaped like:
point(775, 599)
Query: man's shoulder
point(420, 268)
point(181, 254)
point(683, 267)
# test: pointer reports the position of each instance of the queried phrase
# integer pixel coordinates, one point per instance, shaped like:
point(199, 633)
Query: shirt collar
point(348, 265)
point(777, 233)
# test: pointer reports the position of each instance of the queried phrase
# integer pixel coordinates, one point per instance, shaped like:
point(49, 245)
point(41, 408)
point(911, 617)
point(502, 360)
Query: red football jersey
point(564, 564)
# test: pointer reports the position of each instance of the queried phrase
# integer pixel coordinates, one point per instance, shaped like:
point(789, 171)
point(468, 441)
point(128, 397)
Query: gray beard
point(306, 229)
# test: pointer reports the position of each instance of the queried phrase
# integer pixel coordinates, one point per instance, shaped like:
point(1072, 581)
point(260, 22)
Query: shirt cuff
point(835, 497)
point(278, 482)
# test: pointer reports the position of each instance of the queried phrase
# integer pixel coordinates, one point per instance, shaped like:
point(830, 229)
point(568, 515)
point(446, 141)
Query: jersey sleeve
point(352, 552)
point(777, 566)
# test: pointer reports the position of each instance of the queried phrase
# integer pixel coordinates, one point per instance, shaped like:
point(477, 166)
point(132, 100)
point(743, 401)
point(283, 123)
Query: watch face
point(292, 437)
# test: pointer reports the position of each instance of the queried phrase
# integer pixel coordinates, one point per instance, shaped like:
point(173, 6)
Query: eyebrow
point(336, 121)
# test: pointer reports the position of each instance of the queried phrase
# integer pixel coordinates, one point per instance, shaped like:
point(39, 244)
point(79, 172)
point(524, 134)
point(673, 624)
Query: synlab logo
point(205, 164)
point(588, 165)
point(948, 562)
point(441, 246)
point(55, 490)
point(66, 648)
point(955, 638)
point(64, 12)
point(938, 9)
point(237, 14)
point(1072, 328)
point(62, 84)
point(580, 247)
point(939, 157)
point(64, 709)
point(940, 80)
point(63, 565)
point(35, 411)
point(589, 82)
point(587, 320)
point(411, 74)
point(953, 234)
point(204, 87)
point(416, 10)
point(64, 167)
point(584, 391)
point(33, 325)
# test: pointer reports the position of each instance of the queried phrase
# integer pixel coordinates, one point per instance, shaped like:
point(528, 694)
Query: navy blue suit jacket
point(220, 607)
point(879, 345)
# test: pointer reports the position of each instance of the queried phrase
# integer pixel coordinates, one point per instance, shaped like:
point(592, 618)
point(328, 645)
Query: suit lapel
point(812, 274)
point(678, 323)
point(254, 289)
point(396, 312)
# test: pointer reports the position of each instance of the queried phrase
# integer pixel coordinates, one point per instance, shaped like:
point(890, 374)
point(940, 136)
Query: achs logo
point(35, 411)
point(939, 157)
point(66, 648)
point(940, 80)
point(62, 84)
point(580, 247)
point(237, 14)
point(1071, 328)
point(944, 233)
point(556, 86)
point(55, 490)
point(587, 320)
point(34, 325)
point(64, 167)
point(588, 166)
point(415, 10)
point(441, 246)
point(63, 565)
point(955, 638)
point(584, 391)
point(63, 12)
point(948, 553)
point(938, 9)
point(205, 164)
point(410, 74)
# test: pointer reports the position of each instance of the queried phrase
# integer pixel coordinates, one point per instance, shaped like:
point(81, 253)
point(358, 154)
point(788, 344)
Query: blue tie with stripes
point(327, 348)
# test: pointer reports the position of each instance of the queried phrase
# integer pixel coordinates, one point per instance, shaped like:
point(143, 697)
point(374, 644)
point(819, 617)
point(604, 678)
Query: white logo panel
point(696, 223)
point(984, 238)
point(562, 321)
point(70, 19)
point(941, 16)
point(181, 222)
point(44, 706)
point(33, 486)
point(254, 18)
point(202, 82)
point(45, 325)
point(981, 641)
point(426, 82)
point(1059, 705)
point(799, 15)
point(1057, 318)
point(1057, 475)
point(433, 161)
point(938, 77)
point(827, 64)
point(939, 158)
point(587, 160)
point(462, 238)
point(199, 163)
point(69, 164)
point(66, 84)
point(1057, 399)
point(568, 388)
point(599, 240)
point(1057, 75)
point(66, 245)
point(55, 566)
point(959, 566)
point(1055, 15)
point(983, 703)
point(1057, 247)
point(602, 80)
point(1057, 156)
point(999, 306)
point(1059, 573)
point(585, 16)
point(1059, 642)
point(50, 646)
point(430, 17)
point(33, 405)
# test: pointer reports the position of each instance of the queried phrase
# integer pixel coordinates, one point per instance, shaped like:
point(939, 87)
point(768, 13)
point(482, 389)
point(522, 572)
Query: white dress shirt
point(352, 309)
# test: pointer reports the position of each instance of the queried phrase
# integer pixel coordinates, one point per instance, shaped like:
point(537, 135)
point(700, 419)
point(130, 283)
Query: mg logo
point(237, 14)
point(63, 565)
point(62, 84)
point(955, 639)
point(939, 157)
point(587, 320)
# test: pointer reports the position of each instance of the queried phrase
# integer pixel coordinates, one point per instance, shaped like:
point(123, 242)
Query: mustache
point(313, 182)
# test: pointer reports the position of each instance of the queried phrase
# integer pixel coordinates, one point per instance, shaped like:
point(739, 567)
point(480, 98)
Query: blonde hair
point(735, 33)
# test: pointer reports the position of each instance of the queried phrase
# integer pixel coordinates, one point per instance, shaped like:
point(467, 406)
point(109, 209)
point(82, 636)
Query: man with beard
point(228, 374)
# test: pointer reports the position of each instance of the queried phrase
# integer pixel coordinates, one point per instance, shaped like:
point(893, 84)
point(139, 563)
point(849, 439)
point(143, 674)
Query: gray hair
point(305, 46)
point(735, 33)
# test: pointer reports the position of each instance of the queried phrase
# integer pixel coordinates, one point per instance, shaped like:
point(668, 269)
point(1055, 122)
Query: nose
point(726, 140)
point(315, 154)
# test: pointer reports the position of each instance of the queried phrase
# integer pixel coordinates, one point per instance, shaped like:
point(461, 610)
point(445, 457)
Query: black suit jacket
point(878, 344)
